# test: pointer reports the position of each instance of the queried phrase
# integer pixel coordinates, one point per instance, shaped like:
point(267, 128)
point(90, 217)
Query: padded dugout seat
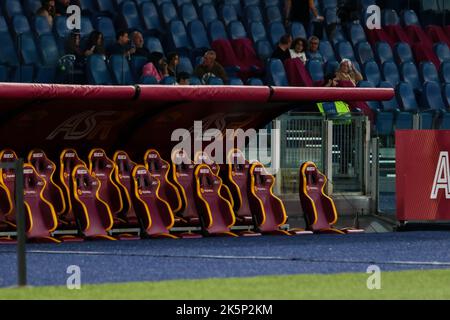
point(160, 168)
point(319, 209)
point(155, 213)
point(216, 212)
point(41, 218)
point(92, 213)
point(8, 181)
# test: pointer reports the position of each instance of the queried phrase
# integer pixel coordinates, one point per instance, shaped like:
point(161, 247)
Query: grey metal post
point(328, 154)
point(276, 153)
point(21, 236)
point(367, 157)
point(416, 122)
point(375, 173)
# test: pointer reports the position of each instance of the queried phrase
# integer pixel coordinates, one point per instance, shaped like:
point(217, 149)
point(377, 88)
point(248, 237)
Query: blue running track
point(156, 260)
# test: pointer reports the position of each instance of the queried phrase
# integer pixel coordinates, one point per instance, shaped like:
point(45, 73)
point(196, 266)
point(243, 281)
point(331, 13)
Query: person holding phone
point(95, 44)
point(348, 72)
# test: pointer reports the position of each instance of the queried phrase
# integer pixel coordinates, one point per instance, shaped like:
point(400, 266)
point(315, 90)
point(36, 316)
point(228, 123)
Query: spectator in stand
point(298, 49)
point(313, 52)
point(47, 10)
point(183, 78)
point(210, 68)
point(95, 44)
point(122, 45)
point(157, 67)
point(173, 61)
point(347, 72)
point(299, 11)
point(282, 50)
point(138, 42)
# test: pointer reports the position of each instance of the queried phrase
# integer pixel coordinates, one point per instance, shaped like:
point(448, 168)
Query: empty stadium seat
point(385, 124)
point(344, 50)
point(198, 35)
point(319, 209)
point(183, 175)
point(8, 188)
point(432, 97)
point(273, 14)
point(168, 13)
point(208, 14)
point(327, 51)
point(255, 82)
point(8, 55)
point(120, 70)
point(252, 14)
point(236, 30)
point(123, 176)
point(390, 73)
point(216, 31)
point(155, 213)
point(188, 13)
point(263, 49)
point(428, 72)
point(276, 73)
point(101, 167)
point(364, 52)
point(356, 34)
point(216, 212)
point(41, 218)
point(389, 105)
point(444, 72)
point(372, 72)
point(48, 49)
point(442, 52)
point(446, 95)
point(383, 52)
point(160, 169)
point(150, 17)
point(97, 71)
point(179, 40)
point(228, 14)
point(46, 169)
point(130, 15)
point(257, 31)
point(410, 74)
point(275, 31)
point(41, 26)
point(153, 44)
point(315, 70)
point(406, 98)
point(92, 213)
point(68, 161)
point(403, 53)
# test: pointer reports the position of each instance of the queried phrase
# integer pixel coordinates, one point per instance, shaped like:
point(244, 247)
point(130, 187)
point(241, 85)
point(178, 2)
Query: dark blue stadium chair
point(276, 30)
point(297, 30)
point(276, 75)
point(273, 14)
point(330, 69)
point(390, 73)
point(315, 70)
point(23, 74)
point(406, 97)
point(106, 26)
point(180, 3)
point(385, 124)
point(364, 52)
point(149, 80)
point(257, 31)
point(216, 30)
point(41, 26)
point(12, 8)
point(185, 65)
point(428, 72)
point(4, 73)
point(263, 49)
point(446, 95)
point(158, 3)
point(168, 12)
point(389, 17)
point(445, 122)
point(60, 28)
point(234, 81)
point(200, 3)
point(168, 80)
point(392, 104)
point(97, 70)
point(404, 121)
point(150, 17)
point(8, 54)
point(442, 51)
point(136, 65)
point(198, 34)
point(86, 27)
point(356, 33)
point(374, 105)
point(20, 25)
point(247, 3)
point(227, 14)
point(331, 16)
point(3, 25)
point(431, 98)
point(329, 4)
point(188, 13)
point(48, 49)
point(28, 50)
point(253, 14)
point(214, 81)
point(130, 15)
point(153, 44)
point(327, 51)
point(31, 7)
point(236, 4)
point(255, 82)
point(236, 30)
point(371, 72)
point(208, 14)
point(403, 53)
point(344, 50)
point(88, 6)
point(410, 74)
point(194, 81)
point(409, 17)
point(120, 70)
point(106, 7)
point(179, 39)
point(426, 120)
point(444, 72)
point(383, 52)
point(337, 35)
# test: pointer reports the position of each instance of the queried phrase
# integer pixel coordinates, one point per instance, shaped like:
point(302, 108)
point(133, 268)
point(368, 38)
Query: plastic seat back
point(217, 212)
point(8, 186)
point(159, 168)
point(155, 214)
point(46, 169)
point(268, 210)
point(319, 209)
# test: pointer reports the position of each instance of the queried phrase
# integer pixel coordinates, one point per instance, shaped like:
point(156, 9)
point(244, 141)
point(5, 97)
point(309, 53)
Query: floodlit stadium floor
point(159, 260)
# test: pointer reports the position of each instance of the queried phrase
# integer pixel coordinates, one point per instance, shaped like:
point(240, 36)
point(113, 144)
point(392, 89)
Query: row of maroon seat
point(118, 194)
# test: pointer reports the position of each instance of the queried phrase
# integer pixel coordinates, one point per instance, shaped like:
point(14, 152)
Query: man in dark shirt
point(282, 50)
point(138, 42)
point(210, 68)
point(122, 45)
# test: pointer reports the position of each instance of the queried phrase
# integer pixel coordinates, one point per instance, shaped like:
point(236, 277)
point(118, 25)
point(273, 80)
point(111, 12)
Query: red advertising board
point(423, 175)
